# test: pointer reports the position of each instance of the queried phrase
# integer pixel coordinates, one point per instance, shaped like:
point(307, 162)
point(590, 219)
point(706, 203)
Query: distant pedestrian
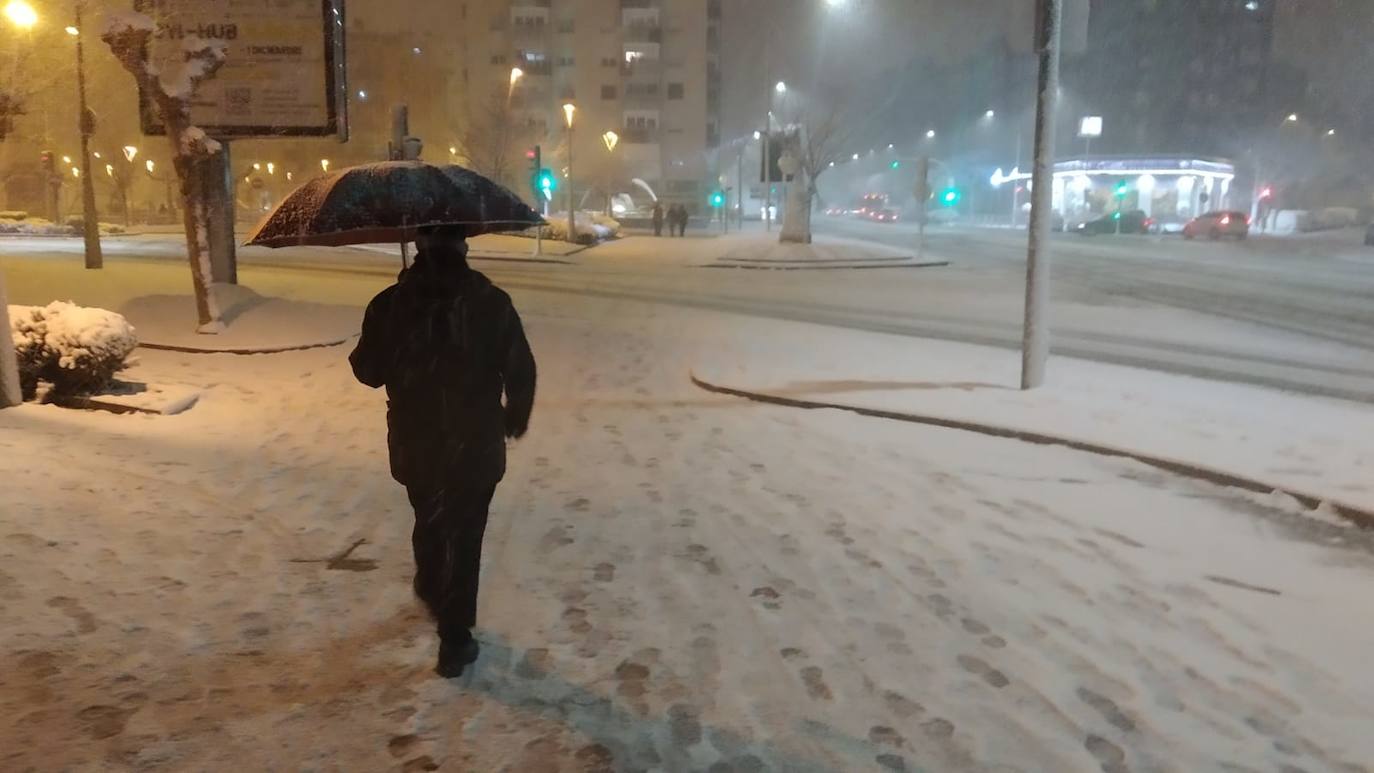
point(658, 219)
point(446, 342)
point(682, 220)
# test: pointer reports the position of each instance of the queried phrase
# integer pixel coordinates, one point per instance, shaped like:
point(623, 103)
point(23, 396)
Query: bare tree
point(128, 36)
point(823, 128)
point(493, 140)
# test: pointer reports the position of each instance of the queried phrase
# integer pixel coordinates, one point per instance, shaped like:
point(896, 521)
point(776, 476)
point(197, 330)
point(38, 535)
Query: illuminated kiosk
point(1166, 188)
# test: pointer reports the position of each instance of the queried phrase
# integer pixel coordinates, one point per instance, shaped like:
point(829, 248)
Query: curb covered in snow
point(245, 350)
point(824, 266)
point(1359, 517)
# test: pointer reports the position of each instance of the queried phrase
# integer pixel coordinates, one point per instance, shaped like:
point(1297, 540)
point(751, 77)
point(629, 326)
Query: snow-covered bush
point(33, 227)
point(592, 227)
point(13, 214)
point(77, 349)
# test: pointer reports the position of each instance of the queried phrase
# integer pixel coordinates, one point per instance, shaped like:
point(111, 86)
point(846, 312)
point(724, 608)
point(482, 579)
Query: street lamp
point(1331, 132)
point(758, 134)
point(781, 87)
point(109, 170)
point(611, 139)
point(1292, 118)
point(271, 168)
point(324, 165)
point(72, 30)
point(21, 14)
point(149, 165)
point(130, 153)
point(990, 114)
point(930, 134)
point(515, 75)
point(568, 110)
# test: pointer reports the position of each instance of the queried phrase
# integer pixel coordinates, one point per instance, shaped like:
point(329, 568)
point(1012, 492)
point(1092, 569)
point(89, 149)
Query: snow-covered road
point(673, 581)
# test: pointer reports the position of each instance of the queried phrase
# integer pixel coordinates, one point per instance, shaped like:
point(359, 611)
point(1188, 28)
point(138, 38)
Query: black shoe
point(454, 657)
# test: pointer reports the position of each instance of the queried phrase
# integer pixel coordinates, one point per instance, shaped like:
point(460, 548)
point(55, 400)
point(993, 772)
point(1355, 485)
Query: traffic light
point(717, 199)
point(1121, 189)
point(896, 165)
point(949, 197)
point(546, 183)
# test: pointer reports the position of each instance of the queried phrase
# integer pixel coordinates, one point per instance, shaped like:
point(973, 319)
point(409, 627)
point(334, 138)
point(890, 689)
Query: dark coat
point(446, 342)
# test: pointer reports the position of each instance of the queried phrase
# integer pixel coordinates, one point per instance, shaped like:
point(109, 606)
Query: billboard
point(283, 74)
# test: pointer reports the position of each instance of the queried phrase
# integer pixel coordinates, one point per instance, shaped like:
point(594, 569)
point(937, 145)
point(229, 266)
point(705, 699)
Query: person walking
point(658, 218)
point(446, 343)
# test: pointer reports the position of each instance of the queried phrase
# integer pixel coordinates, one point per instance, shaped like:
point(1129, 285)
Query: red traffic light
point(530, 154)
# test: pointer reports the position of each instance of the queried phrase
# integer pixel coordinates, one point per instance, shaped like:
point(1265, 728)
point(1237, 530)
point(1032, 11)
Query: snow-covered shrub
point(13, 214)
point(77, 349)
point(592, 227)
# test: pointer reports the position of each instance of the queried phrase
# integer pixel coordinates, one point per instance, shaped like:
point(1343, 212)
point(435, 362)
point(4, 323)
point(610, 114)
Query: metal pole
point(1035, 345)
point(572, 219)
point(739, 193)
point(767, 179)
point(91, 224)
point(1015, 198)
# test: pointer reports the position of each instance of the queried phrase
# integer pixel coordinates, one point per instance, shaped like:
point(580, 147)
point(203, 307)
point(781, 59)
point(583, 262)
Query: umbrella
point(386, 203)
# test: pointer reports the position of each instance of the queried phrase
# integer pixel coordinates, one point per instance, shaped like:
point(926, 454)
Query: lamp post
point(610, 139)
point(568, 110)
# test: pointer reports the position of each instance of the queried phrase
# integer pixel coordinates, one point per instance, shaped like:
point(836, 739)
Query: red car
point(1215, 225)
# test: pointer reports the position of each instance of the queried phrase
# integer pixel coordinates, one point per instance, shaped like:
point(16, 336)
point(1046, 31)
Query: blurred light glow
point(611, 139)
point(568, 110)
point(21, 14)
point(1090, 126)
point(130, 153)
point(516, 74)
point(855, 157)
point(930, 134)
point(149, 165)
point(76, 172)
point(990, 114)
point(758, 134)
point(66, 159)
point(109, 170)
point(73, 31)
point(1292, 117)
point(324, 164)
point(1331, 132)
point(781, 88)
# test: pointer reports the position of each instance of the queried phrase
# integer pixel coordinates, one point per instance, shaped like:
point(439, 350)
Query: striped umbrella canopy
point(387, 202)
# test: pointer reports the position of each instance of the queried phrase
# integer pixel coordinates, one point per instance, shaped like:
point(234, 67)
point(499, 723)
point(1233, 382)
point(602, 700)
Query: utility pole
point(91, 220)
point(1035, 343)
point(767, 176)
point(922, 193)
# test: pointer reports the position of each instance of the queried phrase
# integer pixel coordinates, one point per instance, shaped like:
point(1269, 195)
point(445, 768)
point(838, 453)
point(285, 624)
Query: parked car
point(1369, 236)
point(882, 215)
point(1130, 222)
point(1215, 225)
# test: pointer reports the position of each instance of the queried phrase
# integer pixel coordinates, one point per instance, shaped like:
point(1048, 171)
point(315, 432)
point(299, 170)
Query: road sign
point(283, 73)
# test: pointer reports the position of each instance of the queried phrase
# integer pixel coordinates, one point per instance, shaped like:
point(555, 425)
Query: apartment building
point(646, 70)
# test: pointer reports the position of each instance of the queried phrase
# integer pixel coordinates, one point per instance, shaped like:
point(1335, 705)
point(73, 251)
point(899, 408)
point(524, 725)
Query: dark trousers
point(450, 520)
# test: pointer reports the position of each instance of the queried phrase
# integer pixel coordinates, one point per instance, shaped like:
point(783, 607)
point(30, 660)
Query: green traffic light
point(896, 165)
point(717, 199)
point(950, 196)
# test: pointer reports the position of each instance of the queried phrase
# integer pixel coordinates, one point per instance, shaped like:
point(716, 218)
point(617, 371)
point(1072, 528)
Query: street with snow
point(1170, 577)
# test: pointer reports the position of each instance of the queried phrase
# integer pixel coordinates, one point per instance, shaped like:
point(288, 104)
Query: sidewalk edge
point(1361, 518)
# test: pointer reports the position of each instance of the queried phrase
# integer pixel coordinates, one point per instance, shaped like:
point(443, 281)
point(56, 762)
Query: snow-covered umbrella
point(388, 202)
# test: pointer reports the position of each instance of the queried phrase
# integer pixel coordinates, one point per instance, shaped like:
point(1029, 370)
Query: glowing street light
point(149, 165)
point(854, 157)
point(1331, 132)
point(73, 31)
point(290, 177)
point(781, 87)
point(324, 164)
point(990, 114)
point(930, 134)
point(130, 153)
point(76, 171)
point(568, 110)
point(109, 170)
point(1292, 118)
point(611, 139)
point(515, 75)
point(453, 150)
point(758, 134)
point(21, 14)
point(257, 167)
point(66, 159)
point(96, 154)
point(271, 168)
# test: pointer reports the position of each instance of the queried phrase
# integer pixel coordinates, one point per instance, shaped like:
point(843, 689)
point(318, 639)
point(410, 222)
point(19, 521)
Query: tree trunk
point(196, 221)
point(9, 365)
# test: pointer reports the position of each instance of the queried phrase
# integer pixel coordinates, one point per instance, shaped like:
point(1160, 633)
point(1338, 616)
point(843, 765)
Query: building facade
point(1170, 76)
point(645, 71)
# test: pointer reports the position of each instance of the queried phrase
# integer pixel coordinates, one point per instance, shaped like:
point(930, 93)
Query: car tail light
point(1247, 220)
point(1226, 220)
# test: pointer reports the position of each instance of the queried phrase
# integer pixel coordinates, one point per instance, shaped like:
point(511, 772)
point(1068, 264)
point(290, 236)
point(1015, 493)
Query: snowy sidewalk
point(672, 581)
point(1311, 445)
